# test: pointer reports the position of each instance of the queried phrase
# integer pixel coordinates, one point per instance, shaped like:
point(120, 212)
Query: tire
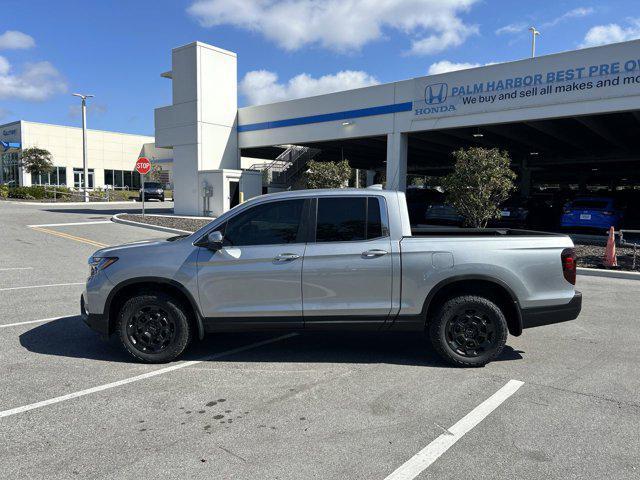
point(154, 327)
point(162, 199)
point(468, 331)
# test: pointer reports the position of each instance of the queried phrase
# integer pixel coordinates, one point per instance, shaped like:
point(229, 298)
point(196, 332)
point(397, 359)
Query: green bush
point(27, 193)
point(63, 194)
point(37, 192)
point(480, 181)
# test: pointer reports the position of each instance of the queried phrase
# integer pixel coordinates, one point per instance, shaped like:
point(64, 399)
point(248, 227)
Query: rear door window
point(348, 219)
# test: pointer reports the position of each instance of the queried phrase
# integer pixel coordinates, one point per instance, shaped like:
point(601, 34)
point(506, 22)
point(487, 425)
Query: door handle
point(374, 253)
point(286, 257)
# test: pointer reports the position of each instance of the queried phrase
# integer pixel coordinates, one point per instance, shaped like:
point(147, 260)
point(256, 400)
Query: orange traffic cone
point(610, 258)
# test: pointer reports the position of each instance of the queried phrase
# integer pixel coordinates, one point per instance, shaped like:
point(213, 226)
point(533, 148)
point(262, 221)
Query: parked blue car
point(592, 213)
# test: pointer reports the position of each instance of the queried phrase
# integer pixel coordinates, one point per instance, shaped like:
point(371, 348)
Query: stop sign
point(143, 165)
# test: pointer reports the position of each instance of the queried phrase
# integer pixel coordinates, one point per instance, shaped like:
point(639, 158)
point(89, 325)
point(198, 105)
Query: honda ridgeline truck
point(332, 260)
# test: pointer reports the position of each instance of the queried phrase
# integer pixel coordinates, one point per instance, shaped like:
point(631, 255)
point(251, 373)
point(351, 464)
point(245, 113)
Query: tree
point(36, 160)
point(481, 180)
point(327, 174)
point(155, 174)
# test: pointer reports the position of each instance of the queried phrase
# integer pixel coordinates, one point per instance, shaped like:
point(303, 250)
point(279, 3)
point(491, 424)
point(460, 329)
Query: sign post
point(143, 165)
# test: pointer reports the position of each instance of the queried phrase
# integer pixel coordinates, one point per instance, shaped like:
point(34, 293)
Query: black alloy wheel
point(154, 327)
point(468, 330)
point(151, 329)
point(471, 332)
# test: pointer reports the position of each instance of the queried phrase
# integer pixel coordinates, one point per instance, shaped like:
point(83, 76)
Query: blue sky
point(116, 49)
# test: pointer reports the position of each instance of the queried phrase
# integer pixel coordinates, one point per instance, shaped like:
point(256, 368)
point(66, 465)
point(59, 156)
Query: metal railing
point(287, 166)
point(625, 243)
point(97, 195)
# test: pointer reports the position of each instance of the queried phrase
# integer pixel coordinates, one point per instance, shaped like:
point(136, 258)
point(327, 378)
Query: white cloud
point(612, 33)
point(520, 27)
point(445, 66)
point(575, 13)
point(262, 86)
point(342, 25)
point(14, 40)
point(37, 81)
point(511, 28)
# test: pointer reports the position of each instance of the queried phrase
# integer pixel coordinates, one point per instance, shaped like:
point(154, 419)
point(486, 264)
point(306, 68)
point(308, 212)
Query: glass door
point(78, 175)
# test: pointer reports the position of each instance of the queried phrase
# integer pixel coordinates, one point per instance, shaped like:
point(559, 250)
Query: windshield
point(152, 185)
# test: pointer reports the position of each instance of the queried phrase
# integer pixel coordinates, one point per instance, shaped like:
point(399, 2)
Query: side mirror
point(212, 241)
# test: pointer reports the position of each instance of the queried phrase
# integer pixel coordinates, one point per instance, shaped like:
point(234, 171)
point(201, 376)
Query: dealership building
point(566, 119)
point(111, 156)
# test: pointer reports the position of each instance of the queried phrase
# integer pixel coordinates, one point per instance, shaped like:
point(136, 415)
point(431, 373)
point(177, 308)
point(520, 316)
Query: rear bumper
point(94, 321)
point(536, 317)
point(596, 221)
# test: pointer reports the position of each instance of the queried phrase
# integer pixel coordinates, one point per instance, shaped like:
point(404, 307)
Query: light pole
point(534, 34)
point(85, 173)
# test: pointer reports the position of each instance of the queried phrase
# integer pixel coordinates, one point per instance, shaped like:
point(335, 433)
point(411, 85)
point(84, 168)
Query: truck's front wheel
point(468, 331)
point(153, 327)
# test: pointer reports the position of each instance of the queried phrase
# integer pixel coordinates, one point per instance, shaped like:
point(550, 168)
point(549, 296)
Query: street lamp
point(85, 173)
point(534, 34)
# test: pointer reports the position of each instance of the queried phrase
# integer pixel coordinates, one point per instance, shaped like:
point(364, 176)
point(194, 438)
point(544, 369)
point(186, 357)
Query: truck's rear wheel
point(468, 331)
point(153, 327)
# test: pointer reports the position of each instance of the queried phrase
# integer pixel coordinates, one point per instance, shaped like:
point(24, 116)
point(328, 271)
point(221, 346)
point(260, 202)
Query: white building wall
point(204, 127)
point(105, 150)
point(200, 125)
point(579, 102)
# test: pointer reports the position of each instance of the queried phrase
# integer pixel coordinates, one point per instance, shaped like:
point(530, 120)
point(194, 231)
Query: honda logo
point(436, 93)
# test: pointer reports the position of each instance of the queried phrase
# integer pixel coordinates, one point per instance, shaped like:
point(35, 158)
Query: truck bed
point(477, 232)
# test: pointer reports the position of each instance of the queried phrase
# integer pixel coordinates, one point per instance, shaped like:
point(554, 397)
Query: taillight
point(568, 257)
point(607, 213)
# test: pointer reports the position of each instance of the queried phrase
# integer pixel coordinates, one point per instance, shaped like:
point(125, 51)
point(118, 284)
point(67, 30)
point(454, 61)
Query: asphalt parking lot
point(297, 406)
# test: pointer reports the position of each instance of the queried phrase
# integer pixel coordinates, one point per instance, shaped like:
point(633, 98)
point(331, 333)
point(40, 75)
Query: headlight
point(99, 263)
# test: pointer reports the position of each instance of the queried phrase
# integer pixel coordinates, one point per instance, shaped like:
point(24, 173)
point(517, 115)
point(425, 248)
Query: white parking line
point(15, 268)
point(40, 286)
point(155, 373)
point(42, 320)
point(429, 454)
point(70, 224)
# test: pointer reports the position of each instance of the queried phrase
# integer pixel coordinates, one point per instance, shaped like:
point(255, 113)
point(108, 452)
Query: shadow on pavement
point(70, 337)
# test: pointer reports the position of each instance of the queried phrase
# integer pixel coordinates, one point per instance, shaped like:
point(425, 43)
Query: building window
point(58, 177)
point(10, 169)
point(122, 179)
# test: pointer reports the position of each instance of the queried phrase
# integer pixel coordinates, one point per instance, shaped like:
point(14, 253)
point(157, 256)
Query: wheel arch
point(126, 289)
point(490, 287)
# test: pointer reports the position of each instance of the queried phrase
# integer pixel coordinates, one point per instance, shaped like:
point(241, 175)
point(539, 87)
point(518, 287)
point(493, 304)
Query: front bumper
point(95, 321)
point(153, 196)
point(538, 316)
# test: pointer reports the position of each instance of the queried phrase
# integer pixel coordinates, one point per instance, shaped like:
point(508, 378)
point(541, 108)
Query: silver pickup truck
point(332, 260)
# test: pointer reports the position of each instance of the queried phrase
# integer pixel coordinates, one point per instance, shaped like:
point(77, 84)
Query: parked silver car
point(332, 259)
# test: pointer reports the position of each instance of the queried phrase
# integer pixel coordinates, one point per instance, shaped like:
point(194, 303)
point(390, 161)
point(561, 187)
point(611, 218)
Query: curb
point(599, 272)
point(116, 219)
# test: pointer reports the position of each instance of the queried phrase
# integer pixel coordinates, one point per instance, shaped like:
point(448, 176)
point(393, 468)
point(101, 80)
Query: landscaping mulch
point(188, 224)
point(591, 256)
